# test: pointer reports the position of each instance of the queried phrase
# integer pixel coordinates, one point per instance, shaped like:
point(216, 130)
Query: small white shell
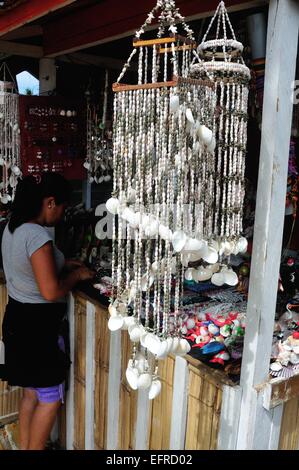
point(210, 255)
point(165, 233)
point(163, 350)
point(231, 278)
point(174, 103)
point(205, 135)
point(203, 274)
point(183, 347)
point(135, 333)
point(178, 240)
point(193, 245)
point(16, 170)
point(152, 343)
point(86, 165)
point(275, 366)
point(132, 376)
point(155, 389)
point(112, 205)
point(144, 381)
point(128, 321)
point(242, 245)
point(217, 279)
point(189, 116)
point(190, 274)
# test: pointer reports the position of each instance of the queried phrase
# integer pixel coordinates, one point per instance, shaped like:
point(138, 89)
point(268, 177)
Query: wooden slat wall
point(128, 400)
point(160, 412)
point(289, 432)
point(204, 407)
point(79, 373)
point(102, 340)
point(9, 396)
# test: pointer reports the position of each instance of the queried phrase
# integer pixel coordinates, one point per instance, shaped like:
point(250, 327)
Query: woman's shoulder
point(31, 230)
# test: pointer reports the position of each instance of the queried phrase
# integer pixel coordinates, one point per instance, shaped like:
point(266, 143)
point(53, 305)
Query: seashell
point(195, 256)
point(143, 338)
point(128, 321)
point(141, 363)
point(203, 274)
point(69, 113)
point(112, 205)
point(145, 284)
point(189, 116)
point(275, 366)
point(178, 240)
point(174, 103)
point(132, 376)
point(228, 248)
point(127, 214)
point(230, 278)
point(144, 381)
point(214, 268)
point(163, 351)
point(1, 161)
point(196, 148)
point(4, 199)
point(107, 178)
point(153, 343)
point(135, 332)
point(193, 245)
point(185, 259)
point(16, 170)
point(294, 358)
point(101, 179)
point(205, 135)
point(214, 329)
point(217, 279)
point(212, 146)
point(131, 196)
point(169, 341)
point(152, 229)
point(87, 165)
point(242, 245)
point(62, 112)
point(210, 255)
point(165, 232)
point(190, 323)
point(155, 389)
point(13, 181)
point(115, 323)
point(190, 274)
point(183, 347)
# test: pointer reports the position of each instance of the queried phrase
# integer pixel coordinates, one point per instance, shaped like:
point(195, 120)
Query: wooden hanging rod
point(118, 87)
point(159, 41)
point(188, 47)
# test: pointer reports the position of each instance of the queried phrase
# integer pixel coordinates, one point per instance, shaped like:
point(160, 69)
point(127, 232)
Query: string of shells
point(221, 59)
point(99, 153)
point(10, 162)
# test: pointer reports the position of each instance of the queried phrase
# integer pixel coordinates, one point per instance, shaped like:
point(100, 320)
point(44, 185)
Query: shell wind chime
point(162, 192)
point(98, 161)
point(222, 61)
point(10, 163)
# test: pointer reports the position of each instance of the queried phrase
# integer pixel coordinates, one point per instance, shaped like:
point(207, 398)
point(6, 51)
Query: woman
point(34, 356)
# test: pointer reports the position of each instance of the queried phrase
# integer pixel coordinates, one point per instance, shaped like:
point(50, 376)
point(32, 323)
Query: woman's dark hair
point(30, 194)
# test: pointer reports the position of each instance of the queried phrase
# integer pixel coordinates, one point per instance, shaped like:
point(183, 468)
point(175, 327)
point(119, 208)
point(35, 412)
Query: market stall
point(236, 388)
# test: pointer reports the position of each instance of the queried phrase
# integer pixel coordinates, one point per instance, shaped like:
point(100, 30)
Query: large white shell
point(152, 343)
point(87, 165)
point(174, 103)
point(132, 376)
point(205, 135)
point(203, 274)
point(16, 170)
point(135, 333)
point(155, 389)
point(190, 274)
point(242, 245)
point(210, 255)
point(165, 233)
point(178, 240)
point(112, 205)
point(115, 323)
point(193, 245)
point(217, 279)
point(144, 381)
point(230, 278)
point(163, 350)
point(183, 347)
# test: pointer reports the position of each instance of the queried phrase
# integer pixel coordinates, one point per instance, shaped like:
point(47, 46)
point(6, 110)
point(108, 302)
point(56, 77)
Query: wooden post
point(255, 421)
point(70, 393)
point(179, 405)
point(114, 389)
point(47, 76)
point(90, 376)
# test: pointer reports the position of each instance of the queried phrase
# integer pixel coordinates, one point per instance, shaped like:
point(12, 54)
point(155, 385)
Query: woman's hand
point(73, 263)
point(85, 274)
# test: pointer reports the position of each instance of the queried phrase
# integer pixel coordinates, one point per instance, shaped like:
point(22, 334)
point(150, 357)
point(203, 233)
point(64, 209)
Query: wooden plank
point(102, 348)
point(114, 389)
point(283, 29)
point(70, 395)
point(289, 431)
point(275, 428)
point(24, 50)
point(90, 377)
point(98, 24)
point(79, 419)
point(118, 87)
point(279, 391)
point(169, 50)
point(29, 11)
point(142, 421)
point(24, 32)
point(231, 403)
point(179, 405)
point(158, 41)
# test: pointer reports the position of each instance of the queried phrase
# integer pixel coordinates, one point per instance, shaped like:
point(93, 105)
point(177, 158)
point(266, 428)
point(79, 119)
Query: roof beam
point(80, 58)
point(28, 31)
point(27, 12)
point(98, 23)
point(25, 50)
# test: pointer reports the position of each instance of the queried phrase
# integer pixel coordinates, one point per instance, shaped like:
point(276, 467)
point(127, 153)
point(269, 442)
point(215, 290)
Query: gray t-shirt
point(17, 249)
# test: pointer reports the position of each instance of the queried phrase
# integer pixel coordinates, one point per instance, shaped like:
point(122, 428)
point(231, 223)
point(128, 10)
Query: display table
point(193, 411)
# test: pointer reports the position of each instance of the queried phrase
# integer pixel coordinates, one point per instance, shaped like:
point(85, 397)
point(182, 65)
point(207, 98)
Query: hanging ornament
point(10, 163)
point(99, 159)
point(221, 58)
point(162, 200)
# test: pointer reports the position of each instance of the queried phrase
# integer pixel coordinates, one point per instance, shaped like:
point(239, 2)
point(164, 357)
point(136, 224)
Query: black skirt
point(32, 354)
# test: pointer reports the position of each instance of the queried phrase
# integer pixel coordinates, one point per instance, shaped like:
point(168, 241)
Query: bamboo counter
point(192, 412)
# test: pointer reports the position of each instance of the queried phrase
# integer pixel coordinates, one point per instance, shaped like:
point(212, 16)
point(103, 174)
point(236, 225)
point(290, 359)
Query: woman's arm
point(51, 287)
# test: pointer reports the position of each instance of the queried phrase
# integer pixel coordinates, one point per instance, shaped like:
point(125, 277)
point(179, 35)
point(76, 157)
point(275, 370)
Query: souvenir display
point(9, 136)
point(99, 155)
point(52, 136)
point(222, 61)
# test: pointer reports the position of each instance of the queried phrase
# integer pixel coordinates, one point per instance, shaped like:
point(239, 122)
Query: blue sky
point(26, 80)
